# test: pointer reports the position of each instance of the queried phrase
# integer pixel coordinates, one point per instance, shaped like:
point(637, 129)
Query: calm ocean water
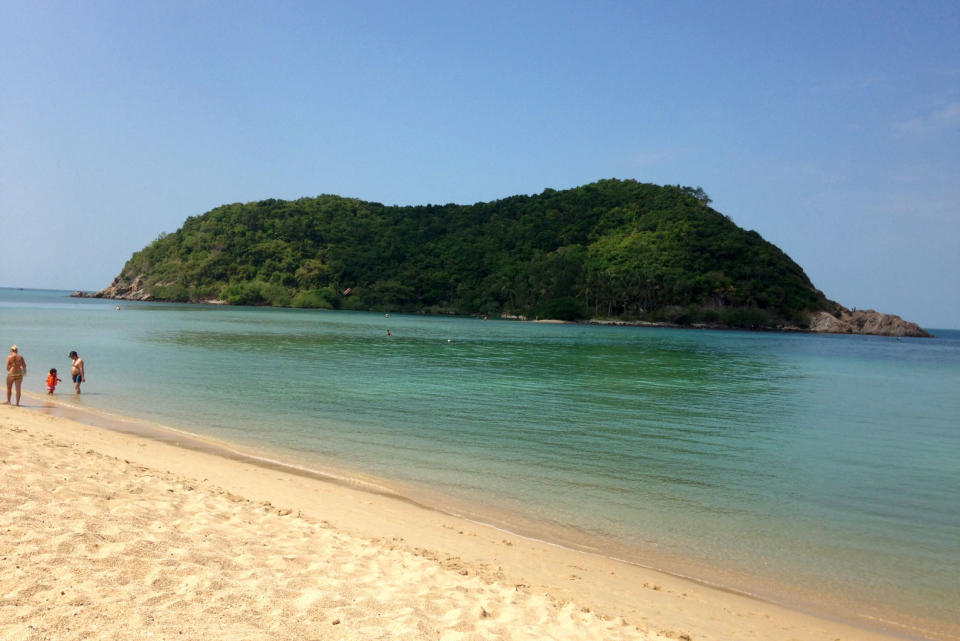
point(818, 470)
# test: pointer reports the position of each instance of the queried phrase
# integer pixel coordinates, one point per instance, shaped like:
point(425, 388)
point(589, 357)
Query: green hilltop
point(615, 249)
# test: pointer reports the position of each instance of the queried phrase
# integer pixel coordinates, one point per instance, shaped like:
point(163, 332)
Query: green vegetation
point(611, 249)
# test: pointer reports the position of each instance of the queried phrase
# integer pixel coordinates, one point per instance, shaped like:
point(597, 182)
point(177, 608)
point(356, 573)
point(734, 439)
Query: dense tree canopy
point(614, 248)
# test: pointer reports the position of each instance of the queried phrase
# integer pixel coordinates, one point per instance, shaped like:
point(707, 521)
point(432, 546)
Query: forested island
point(618, 250)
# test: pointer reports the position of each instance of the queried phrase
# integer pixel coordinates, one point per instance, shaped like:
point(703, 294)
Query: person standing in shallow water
point(16, 370)
point(77, 375)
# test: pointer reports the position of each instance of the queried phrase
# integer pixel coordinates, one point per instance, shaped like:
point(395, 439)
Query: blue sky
point(833, 129)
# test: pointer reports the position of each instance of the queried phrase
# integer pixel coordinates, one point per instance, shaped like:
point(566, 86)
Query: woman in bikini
point(16, 370)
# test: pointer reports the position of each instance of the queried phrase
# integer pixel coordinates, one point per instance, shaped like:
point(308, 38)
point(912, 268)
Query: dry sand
point(106, 535)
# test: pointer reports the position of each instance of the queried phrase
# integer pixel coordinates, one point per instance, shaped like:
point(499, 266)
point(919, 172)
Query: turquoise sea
point(818, 471)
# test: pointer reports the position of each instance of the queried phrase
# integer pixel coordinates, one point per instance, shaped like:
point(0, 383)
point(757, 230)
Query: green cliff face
point(611, 249)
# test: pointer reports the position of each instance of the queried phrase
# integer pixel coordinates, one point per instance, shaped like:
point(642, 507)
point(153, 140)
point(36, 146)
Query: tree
point(698, 193)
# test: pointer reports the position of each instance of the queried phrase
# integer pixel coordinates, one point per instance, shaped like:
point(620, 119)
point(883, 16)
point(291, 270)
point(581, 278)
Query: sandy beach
point(105, 535)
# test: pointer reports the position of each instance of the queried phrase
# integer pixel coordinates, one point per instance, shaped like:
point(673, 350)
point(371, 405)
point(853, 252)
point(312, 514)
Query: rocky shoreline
point(842, 321)
point(135, 290)
point(865, 322)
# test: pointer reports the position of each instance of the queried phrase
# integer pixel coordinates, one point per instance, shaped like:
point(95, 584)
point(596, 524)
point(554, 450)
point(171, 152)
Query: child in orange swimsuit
point(52, 381)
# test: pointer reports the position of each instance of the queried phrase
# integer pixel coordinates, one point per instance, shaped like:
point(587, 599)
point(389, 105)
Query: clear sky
point(831, 128)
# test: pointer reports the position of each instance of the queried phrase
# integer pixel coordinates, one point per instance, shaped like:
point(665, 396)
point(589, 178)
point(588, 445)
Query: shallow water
point(819, 470)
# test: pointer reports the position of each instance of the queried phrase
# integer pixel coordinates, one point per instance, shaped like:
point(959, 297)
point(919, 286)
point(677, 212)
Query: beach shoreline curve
point(619, 590)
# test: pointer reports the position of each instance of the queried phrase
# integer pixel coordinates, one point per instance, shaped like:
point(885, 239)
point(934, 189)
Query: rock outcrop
point(844, 321)
point(121, 290)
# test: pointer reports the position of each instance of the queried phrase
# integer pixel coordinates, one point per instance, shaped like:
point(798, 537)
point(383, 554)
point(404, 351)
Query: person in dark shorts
point(77, 374)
